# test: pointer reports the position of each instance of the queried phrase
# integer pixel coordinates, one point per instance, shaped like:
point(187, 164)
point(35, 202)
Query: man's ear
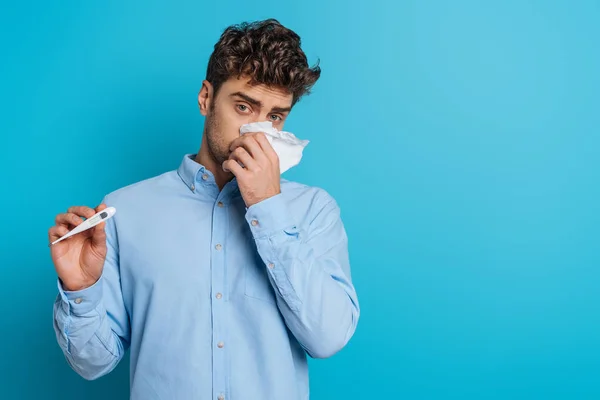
point(205, 97)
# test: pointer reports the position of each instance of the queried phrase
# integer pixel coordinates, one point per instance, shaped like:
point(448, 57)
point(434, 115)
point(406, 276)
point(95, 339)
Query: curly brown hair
point(265, 51)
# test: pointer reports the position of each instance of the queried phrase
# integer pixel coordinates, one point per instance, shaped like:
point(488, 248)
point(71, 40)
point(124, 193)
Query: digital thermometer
point(89, 223)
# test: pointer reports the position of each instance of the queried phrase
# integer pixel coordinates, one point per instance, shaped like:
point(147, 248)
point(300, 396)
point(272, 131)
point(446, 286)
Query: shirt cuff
point(82, 301)
point(270, 216)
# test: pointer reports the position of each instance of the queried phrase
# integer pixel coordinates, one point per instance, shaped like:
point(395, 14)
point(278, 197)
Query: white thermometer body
point(89, 223)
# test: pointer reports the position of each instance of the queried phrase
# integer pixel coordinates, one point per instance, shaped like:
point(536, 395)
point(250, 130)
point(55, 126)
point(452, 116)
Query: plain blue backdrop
point(460, 139)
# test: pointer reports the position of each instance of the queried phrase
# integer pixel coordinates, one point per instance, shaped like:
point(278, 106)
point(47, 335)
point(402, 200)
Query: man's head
point(257, 72)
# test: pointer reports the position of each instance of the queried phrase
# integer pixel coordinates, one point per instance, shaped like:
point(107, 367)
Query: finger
point(249, 143)
point(56, 232)
point(82, 211)
point(237, 142)
point(66, 219)
point(266, 147)
point(233, 167)
point(241, 154)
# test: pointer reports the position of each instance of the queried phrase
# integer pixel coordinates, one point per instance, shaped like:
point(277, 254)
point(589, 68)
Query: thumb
point(99, 232)
point(99, 235)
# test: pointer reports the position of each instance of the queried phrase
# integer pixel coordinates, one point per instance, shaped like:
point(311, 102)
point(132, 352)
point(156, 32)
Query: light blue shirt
point(214, 300)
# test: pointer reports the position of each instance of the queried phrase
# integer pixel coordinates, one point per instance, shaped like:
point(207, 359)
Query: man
point(219, 278)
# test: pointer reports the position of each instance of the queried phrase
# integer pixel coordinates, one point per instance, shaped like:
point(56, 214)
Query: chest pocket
point(256, 279)
point(251, 269)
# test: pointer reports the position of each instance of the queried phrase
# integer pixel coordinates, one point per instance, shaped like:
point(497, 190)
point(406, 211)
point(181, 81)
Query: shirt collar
point(193, 174)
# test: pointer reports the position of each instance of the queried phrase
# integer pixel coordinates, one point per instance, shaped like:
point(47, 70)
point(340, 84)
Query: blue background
point(460, 139)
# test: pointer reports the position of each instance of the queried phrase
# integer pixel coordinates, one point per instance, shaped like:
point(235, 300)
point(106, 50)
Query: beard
point(218, 148)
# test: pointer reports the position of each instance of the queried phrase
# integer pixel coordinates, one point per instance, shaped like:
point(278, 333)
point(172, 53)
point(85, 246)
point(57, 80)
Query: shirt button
point(254, 222)
point(218, 247)
point(219, 295)
point(220, 345)
point(193, 187)
point(204, 176)
point(220, 397)
point(271, 265)
point(220, 204)
point(78, 300)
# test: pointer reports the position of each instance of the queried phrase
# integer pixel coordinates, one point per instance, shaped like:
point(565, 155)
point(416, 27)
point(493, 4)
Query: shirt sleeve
point(92, 325)
point(310, 271)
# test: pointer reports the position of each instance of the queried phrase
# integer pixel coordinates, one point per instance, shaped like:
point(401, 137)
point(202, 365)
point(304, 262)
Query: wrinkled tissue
point(287, 146)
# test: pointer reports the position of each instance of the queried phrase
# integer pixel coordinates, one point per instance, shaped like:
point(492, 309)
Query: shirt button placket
point(218, 299)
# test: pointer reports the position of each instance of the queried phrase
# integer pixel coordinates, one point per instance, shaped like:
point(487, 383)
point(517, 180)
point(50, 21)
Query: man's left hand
point(259, 177)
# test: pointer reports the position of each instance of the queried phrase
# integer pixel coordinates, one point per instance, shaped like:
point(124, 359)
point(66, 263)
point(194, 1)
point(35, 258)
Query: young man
point(219, 278)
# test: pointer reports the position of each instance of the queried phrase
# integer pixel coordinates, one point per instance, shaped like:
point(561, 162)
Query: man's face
point(238, 103)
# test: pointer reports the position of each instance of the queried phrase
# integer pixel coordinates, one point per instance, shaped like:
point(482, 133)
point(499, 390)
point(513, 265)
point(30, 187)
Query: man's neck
point(205, 158)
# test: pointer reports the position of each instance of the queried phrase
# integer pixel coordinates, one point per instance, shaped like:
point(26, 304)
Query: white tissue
point(287, 146)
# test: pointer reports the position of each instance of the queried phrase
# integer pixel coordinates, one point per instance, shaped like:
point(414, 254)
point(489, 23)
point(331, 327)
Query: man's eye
point(242, 108)
point(275, 118)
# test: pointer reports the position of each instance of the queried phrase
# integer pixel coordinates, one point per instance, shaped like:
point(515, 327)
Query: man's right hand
point(79, 259)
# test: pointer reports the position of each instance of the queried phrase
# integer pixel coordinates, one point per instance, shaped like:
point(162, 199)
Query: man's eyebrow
point(281, 109)
point(247, 98)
